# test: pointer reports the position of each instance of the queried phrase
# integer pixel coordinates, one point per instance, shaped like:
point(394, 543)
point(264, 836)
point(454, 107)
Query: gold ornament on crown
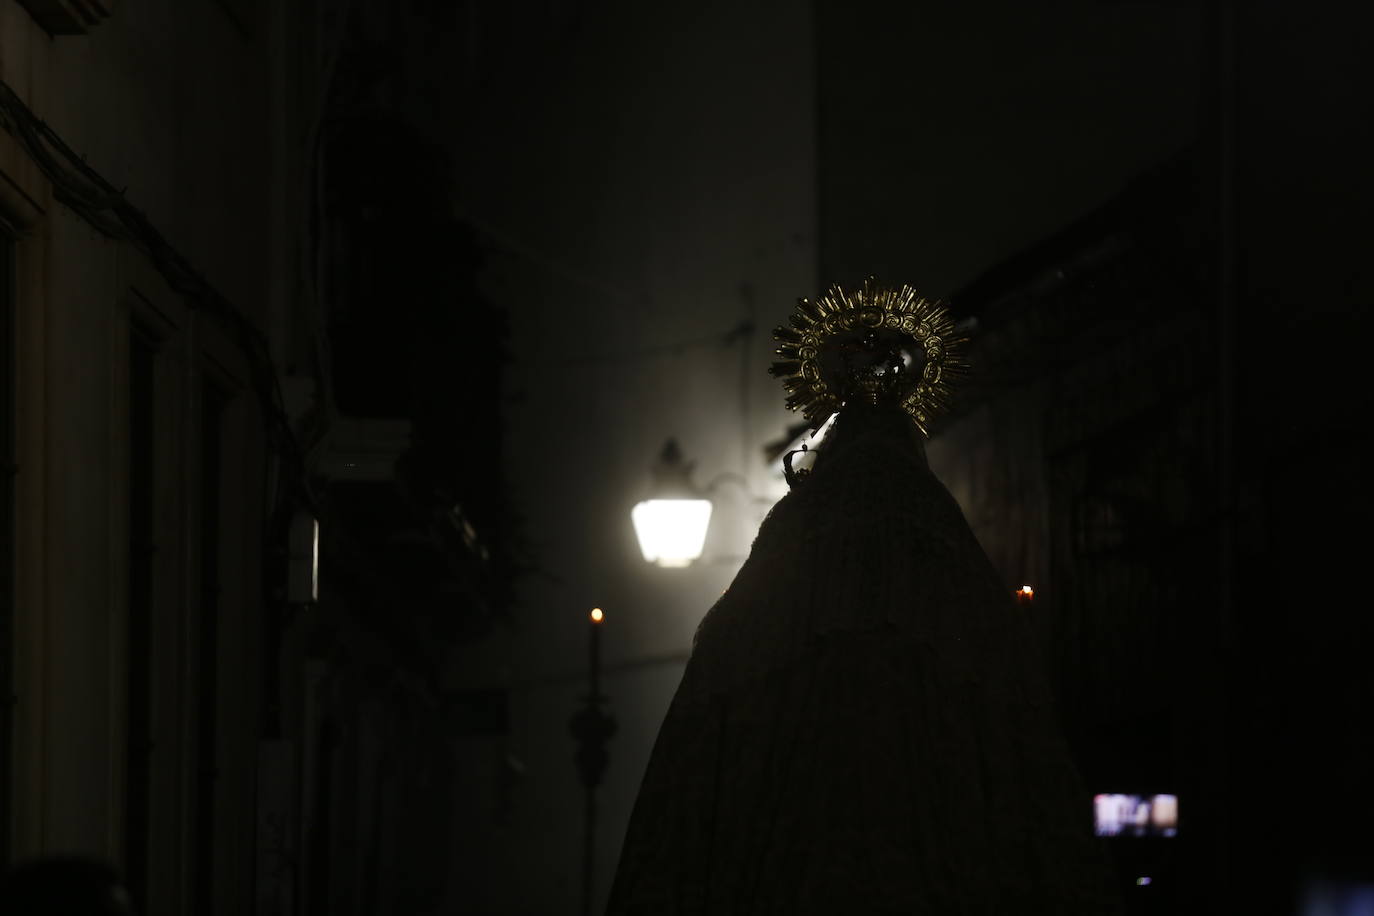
point(845, 315)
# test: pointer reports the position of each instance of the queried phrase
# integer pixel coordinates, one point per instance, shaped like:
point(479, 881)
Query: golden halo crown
point(913, 352)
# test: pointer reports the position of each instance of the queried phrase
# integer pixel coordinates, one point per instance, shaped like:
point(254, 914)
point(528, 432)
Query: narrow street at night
point(422, 491)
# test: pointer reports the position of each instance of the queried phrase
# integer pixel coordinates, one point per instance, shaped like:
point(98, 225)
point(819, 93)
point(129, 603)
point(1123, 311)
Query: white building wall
point(170, 102)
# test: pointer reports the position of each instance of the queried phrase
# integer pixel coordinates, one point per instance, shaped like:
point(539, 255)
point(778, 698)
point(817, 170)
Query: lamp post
point(592, 727)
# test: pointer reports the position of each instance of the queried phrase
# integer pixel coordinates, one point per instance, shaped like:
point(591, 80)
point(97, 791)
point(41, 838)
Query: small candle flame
point(1027, 591)
point(596, 615)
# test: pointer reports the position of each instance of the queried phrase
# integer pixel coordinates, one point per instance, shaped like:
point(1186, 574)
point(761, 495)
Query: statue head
point(874, 345)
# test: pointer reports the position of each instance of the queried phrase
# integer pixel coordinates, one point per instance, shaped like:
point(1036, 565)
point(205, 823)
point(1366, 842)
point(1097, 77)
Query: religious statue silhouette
point(863, 726)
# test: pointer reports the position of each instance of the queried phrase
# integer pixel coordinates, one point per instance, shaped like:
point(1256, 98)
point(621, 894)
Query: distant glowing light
point(1142, 880)
point(1028, 591)
point(596, 615)
point(1117, 814)
point(303, 572)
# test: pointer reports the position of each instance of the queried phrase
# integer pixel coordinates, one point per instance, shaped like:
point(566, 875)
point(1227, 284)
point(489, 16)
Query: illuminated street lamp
point(671, 524)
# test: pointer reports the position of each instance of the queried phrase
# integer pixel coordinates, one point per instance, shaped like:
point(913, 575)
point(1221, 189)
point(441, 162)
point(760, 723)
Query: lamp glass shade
point(671, 532)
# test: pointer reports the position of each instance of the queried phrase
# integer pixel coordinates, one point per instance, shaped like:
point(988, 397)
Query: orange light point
point(596, 615)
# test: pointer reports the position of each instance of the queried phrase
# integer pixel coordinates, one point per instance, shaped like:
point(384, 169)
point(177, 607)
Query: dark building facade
point(1160, 430)
point(1085, 455)
point(227, 326)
